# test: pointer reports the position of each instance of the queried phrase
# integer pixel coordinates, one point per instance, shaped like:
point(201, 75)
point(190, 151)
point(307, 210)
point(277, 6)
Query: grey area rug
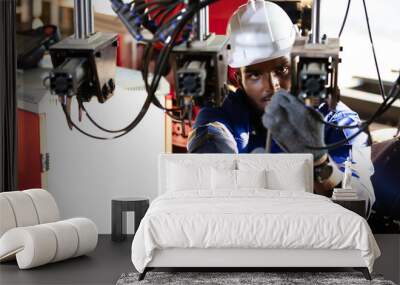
point(233, 278)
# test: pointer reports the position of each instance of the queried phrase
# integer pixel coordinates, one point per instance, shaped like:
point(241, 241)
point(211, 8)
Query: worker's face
point(260, 81)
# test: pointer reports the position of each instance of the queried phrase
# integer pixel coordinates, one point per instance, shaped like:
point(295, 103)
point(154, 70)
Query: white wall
point(357, 54)
point(85, 174)
point(104, 7)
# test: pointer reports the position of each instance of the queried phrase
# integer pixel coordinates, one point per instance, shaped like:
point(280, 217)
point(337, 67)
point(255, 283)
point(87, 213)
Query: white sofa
point(32, 233)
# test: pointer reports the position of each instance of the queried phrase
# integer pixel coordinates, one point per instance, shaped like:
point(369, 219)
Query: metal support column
point(315, 22)
point(89, 17)
point(83, 19)
point(201, 22)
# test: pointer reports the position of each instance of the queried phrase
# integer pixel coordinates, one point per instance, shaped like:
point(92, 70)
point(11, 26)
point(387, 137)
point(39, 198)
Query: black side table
point(119, 207)
point(357, 206)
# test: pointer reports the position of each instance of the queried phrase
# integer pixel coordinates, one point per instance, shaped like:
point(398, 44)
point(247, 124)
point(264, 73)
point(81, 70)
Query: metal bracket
point(45, 161)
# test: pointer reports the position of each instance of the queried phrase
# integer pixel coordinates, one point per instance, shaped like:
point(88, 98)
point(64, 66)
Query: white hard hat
point(259, 31)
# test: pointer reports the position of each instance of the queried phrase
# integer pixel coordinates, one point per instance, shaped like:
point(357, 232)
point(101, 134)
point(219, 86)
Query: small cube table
point(119, 207)
point(357, 206)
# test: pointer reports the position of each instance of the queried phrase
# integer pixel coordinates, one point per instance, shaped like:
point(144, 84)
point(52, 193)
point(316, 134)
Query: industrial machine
point(84, 65)
point(197, 57)
point(315, 71)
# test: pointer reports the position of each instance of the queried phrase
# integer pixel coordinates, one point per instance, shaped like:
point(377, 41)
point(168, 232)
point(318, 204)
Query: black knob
point(111, 85)
point(105, 90)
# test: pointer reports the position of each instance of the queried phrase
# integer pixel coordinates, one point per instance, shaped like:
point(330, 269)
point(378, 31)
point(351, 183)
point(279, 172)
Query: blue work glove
point(211, 138)
point(294, 126)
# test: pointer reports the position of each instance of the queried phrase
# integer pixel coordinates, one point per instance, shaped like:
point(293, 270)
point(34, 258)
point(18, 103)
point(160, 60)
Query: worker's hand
point(293, 126)
point(211, 138)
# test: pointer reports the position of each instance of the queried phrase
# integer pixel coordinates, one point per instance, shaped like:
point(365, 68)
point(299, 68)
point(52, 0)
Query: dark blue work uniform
point(244, 122)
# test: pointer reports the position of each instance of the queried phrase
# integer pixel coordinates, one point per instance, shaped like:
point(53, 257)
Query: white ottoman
point(31, 232)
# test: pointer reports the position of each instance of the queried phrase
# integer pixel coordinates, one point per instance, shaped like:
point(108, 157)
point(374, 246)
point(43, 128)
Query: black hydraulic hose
point(345, 18)
point(389, 100)
point(382, 90)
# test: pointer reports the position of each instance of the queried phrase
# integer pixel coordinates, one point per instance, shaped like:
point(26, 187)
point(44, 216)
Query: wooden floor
point(110, 259)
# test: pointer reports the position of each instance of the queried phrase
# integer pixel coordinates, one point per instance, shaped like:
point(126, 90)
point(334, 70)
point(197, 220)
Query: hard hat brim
point(234, 63)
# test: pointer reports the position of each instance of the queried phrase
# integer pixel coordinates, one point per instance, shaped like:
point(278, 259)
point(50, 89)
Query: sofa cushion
point(7, 220)
point(67, 239)
point(23, 208)
point(87, 233)
point(45, 205)
point(32, 246)
point(40, 244)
